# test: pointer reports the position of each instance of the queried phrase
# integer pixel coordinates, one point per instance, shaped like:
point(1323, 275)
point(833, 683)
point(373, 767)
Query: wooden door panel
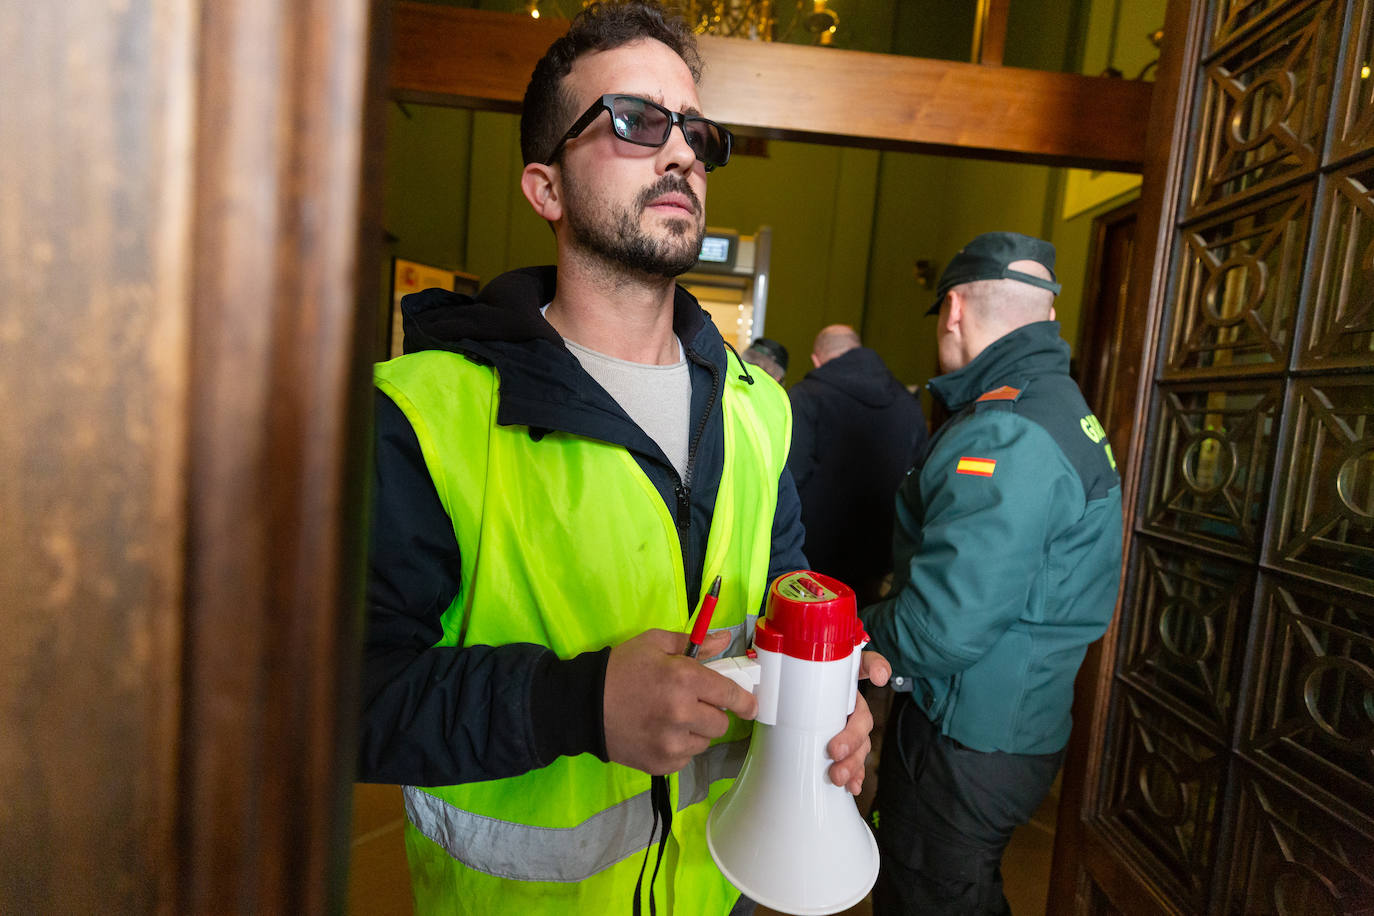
point(1231, 755)
point(1191, 617)
point(1338, 328)
point(1355, 113)
point(1238, 274)
point(1325, 526)
point(1212, 450)
point(1160, 797)
point(1309, 722)
point(1292, 857)
point(1265, 103)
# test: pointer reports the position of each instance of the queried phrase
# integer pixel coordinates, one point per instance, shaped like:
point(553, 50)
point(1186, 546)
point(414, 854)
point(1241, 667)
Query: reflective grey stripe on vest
point(720, 761)
point(518, 851)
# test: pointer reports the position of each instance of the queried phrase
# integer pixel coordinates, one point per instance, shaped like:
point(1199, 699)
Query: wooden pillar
point(186, 289)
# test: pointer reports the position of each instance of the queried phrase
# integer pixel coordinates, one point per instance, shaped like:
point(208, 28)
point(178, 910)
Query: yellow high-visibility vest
point(566, 543)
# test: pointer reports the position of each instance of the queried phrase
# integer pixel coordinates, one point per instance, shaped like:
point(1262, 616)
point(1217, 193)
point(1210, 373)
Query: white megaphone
point(784, 834)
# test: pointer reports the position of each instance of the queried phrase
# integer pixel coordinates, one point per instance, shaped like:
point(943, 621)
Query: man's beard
point(616, 235)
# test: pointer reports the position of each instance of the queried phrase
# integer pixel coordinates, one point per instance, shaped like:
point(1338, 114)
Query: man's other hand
point(849, 749)
point(661, 708)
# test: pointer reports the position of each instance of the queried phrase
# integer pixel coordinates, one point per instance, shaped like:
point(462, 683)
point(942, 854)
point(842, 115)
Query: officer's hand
point(849, 749)
point(661, 708)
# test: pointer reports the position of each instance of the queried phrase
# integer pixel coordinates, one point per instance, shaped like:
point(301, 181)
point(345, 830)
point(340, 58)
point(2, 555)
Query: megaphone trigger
point(743, 671)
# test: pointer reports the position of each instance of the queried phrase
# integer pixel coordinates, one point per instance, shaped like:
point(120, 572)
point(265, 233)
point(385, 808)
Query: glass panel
point(1339, 320)
point(1163, 792)
point(1356, 113)
point(1188, 611)
point(1327, 522)
point(1265, 106)
point(1293, 859)
point(1235, 302)
point(1312, 712)
point(1211, 463)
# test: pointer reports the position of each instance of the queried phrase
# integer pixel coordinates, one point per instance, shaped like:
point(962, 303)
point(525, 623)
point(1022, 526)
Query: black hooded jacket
point(856, 431)
point(444, 716)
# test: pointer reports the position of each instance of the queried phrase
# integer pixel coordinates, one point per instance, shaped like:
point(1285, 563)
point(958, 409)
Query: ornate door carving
point(1234, 713)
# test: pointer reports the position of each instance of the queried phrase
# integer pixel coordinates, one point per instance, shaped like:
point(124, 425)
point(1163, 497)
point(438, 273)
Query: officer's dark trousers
point(945, 814)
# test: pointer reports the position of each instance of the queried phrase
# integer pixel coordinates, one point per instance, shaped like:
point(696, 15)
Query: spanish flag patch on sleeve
point(978, 467)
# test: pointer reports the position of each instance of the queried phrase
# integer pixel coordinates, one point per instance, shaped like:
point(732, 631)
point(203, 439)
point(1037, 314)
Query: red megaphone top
point(811, 617)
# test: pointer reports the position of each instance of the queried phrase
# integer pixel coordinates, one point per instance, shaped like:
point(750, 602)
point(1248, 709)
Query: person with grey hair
point(856, 430)
point(564, 464)
point(1008, 556)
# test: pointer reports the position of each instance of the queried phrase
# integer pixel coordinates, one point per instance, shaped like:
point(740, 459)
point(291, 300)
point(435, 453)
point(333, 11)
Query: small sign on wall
point(410, 277)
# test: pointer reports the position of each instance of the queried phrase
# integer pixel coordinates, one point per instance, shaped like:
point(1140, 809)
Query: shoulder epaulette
point(1005, 393)
point(1000, 399)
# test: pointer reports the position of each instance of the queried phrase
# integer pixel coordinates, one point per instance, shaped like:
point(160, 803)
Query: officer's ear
point(958, 311)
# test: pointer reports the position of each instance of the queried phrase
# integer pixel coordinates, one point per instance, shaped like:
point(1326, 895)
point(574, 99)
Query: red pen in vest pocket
point(708, 607)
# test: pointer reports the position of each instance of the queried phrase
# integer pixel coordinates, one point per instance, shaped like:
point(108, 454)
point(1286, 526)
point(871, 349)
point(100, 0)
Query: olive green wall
point(848, 225)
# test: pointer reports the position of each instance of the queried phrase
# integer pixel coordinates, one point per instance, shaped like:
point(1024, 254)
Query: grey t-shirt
point(657, 398)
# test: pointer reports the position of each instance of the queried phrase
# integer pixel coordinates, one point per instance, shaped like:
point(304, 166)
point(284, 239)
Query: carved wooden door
point(1231, 748)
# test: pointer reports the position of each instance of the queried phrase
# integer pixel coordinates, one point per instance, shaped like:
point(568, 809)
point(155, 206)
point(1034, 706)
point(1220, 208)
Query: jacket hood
point(860, 374)
point(508, 310)
point(1012, 359)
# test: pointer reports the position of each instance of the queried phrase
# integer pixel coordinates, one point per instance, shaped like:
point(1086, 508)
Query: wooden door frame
point(1081, 851)
point(1095, 315)
point(188, 252)
point(285, 277)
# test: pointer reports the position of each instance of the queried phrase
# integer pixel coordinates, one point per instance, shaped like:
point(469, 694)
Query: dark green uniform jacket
point(1007, 550)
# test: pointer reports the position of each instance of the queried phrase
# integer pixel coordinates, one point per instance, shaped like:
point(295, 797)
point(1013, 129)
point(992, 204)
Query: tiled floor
point(379, 885)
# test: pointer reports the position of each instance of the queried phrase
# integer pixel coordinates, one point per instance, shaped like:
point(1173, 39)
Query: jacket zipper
point(683, 488)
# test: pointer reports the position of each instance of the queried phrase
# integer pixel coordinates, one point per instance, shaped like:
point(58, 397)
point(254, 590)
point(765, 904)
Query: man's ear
point(542, 188)
point(958, 310)
point(1051, 313)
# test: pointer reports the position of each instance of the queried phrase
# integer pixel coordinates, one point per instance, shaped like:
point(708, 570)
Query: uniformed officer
point(1007, 553)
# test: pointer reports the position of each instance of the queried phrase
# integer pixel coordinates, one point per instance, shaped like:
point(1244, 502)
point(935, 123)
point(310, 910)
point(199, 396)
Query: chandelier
point(760, 20)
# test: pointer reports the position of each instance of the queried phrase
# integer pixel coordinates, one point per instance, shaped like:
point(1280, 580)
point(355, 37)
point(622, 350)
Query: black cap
point(987, 257)
point(769, 347)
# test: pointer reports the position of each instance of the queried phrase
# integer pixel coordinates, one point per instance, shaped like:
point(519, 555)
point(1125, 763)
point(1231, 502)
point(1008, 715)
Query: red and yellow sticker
point(978, 467)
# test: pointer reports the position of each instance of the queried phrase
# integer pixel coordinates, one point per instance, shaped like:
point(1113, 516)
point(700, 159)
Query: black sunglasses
point(646, 123)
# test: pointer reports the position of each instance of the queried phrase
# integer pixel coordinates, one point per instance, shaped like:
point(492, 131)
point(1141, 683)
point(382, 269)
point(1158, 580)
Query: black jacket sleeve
point(447, 715)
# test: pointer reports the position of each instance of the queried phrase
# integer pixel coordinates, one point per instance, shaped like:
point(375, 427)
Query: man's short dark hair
point(548, 111)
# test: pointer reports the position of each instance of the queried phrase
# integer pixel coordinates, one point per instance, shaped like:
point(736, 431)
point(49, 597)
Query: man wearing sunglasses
point(563, 467)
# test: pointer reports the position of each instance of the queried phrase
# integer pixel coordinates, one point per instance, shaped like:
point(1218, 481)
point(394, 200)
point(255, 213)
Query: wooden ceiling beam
point(479, 59)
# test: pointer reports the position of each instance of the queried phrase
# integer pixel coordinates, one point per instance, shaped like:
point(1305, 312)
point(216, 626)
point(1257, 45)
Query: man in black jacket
point(552, 463)
point(855, 431)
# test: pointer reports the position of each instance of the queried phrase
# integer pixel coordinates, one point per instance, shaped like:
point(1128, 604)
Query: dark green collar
point(1013, 359)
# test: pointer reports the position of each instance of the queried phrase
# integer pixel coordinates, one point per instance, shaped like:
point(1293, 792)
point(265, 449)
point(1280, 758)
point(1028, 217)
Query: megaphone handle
point(743, 671)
